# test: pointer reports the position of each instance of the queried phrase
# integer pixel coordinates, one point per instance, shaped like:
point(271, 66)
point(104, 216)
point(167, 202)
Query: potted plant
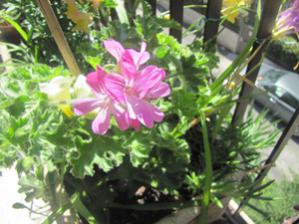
point(147, 132)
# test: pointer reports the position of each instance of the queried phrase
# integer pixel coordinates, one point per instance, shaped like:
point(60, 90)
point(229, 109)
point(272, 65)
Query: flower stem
point(203, 219)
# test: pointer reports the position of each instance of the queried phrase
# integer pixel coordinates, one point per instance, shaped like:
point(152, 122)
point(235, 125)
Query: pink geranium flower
point(127, 95)
point(140, 86)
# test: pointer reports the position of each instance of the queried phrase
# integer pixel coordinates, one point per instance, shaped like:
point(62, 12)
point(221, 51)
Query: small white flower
point(57, 89)
point(80, 88)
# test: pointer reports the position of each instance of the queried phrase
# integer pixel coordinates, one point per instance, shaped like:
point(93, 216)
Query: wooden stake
point(59, 37)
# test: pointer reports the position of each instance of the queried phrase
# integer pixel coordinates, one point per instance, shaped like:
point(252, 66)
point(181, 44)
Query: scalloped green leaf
point(104, 152)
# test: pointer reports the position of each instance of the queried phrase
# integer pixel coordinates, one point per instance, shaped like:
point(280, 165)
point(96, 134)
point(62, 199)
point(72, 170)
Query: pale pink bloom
point(120, 53)
point(108, 92)
point(127, 96)
point(141, 84)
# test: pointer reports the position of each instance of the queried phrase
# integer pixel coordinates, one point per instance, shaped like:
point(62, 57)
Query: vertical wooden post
point(153, 4)
point(59, 37)
point(176, 13)
point(213, 14)
point(270, 11)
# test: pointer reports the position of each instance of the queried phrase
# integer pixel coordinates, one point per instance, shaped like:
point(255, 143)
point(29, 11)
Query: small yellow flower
point(66, 109)
point(81, 19)
point(166, 17)
point(231, 85)
point(232, 8)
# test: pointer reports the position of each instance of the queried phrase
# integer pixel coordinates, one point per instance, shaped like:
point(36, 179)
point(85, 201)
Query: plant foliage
point(53, 151)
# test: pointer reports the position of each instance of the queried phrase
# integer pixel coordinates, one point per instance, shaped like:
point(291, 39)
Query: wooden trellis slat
point(59, 37)
point(176, 13)
point(269, 14)
point(153, 4)
point(213, 15)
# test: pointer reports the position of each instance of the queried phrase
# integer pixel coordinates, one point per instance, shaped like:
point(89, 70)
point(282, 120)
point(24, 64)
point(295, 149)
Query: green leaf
point(93, 61)
point(27, 163)
point(104, 152)
point(183, 101)
point(139, 153)
point(15, 25)
point(56, 214)
point(81, 208)
point(18, 205)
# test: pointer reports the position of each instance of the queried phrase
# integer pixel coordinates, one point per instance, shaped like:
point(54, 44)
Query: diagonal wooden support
point(59, 37)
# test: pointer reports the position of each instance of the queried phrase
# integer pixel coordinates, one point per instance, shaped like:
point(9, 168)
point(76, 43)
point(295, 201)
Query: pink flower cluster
point(126, 94)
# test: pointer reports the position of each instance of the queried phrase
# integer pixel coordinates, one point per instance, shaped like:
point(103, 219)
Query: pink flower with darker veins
point(141, 84)
point(127, 95)
point(109, 97)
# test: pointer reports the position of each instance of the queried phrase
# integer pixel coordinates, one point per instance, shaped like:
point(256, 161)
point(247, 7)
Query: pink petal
point(114, 87)
point(111, 85)
point(144, 111)
point(122, 119)
point(143, 47)
point(149, 77)
point(139, 58)
point(101, 123)
point(131, 104)
point(96, 81)
point(84, 106)
point(114, 48)
point(161, 89)
point(136, 124)
point(129, 72)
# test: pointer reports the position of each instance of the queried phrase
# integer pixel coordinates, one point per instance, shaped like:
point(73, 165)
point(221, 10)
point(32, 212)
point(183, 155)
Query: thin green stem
point(217, 85)
point(203, 219)
point(222, 115)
